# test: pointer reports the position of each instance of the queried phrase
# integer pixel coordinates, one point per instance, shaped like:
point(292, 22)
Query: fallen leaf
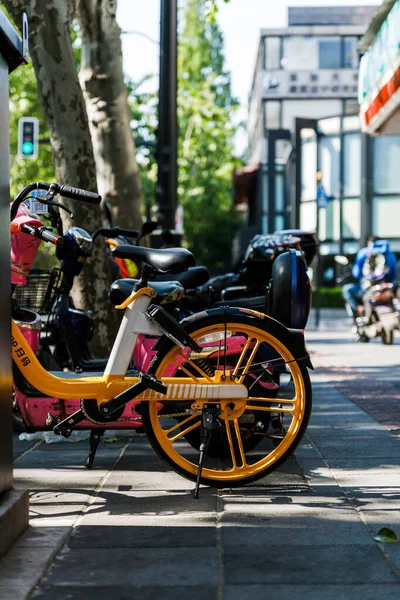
point(386, 536)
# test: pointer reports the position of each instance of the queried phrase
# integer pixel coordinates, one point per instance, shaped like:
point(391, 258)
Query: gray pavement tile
point(309, 530)
point(393, 552)
point(61, 456)
point(312, 592)
point(79, 568)
point(131, 592)
point(43, 537)
point(139, 503)
point(23, 565)
point(57, 479)
point(19, 447)
point(375, 464)
point(341, 564)
point(158, 536)
point(358, 447)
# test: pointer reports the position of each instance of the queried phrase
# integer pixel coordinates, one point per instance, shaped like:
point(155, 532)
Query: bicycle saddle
point(190, 279)
point(171, 260)
point(167, 291)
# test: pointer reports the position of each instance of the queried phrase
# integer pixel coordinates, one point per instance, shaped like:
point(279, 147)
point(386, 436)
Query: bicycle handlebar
point(43, 233)
point(77, 194)
point(64, 190)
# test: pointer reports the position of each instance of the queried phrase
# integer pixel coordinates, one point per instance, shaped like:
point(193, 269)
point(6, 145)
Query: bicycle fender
point(292, 338)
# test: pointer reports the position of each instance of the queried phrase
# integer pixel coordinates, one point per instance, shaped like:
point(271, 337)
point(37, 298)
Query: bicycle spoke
point(241, 357)
point(190, 418)
point(270, 409)
point(240, 443)
point(248, 364)
point(231, 448)
point(184, 432)
point(267, 399)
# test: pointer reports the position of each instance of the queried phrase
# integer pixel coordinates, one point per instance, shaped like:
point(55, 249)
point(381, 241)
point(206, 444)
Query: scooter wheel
point(92, 413)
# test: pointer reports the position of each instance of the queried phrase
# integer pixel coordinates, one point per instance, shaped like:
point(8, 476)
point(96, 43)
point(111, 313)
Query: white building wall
point(308, 109)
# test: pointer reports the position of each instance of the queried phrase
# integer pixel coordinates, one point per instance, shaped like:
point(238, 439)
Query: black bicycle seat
point(171, 260)
point(167, 291)
point(190, 279)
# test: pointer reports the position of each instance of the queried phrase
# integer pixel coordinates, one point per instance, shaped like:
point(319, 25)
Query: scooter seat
point(190, 279)
point(257, 303)
point(171, 260)
point(167, 291)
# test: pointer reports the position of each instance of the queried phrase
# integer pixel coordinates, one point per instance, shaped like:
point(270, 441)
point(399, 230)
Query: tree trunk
point(102, 80)
point(64, 108)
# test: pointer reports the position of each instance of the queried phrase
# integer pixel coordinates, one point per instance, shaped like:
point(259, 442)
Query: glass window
point(279, 193)
point(352, 164)
point(308, 216)
point(329, 155)
point(351, 225)
point(330, 53)
point(300, 53)
point(309, 166)
point(272, 53)
point(386, 216)
point(351, 123)
point(350, 54)
point(272, 114)
point(386, 165)
point(351, 107)
point(279, 222)
point(329, 125)
point(329, 219)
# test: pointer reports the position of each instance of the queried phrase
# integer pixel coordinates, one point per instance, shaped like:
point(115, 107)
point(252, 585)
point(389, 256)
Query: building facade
point(305, 72)
point(321, 143)
point(309, 69)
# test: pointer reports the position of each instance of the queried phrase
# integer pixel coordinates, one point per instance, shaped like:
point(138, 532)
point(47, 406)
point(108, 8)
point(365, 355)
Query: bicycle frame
point(114, 380)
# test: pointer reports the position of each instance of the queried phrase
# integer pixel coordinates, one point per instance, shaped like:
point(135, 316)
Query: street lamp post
point(167, 155)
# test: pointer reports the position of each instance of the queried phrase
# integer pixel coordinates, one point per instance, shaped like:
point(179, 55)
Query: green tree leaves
point(206, 158)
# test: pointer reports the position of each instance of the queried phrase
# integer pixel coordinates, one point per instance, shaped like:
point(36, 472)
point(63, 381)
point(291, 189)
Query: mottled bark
point(65, 111)
point(102, 81)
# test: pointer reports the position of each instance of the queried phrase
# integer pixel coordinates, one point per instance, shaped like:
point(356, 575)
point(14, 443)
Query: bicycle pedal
point(64, 427)
point(152, 383)
point(51, 420)
point(62, 431)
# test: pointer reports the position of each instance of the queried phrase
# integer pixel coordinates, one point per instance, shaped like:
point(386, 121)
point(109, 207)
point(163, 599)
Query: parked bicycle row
point(214, 369)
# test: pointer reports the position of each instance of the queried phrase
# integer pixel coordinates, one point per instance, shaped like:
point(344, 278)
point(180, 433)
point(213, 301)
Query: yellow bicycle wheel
point(246, 351)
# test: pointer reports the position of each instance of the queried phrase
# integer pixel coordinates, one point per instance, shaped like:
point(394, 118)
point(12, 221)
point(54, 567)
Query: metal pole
point(166, 193)
point(318, 274)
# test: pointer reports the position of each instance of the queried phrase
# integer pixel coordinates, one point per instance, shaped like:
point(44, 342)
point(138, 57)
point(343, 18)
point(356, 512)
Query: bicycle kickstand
point(209, 422)
point(95, 437)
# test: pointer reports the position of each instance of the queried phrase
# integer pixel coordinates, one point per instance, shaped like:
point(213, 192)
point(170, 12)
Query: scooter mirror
point(341, 260)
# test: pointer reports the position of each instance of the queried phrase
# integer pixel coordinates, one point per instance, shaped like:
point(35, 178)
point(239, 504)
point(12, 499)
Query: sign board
point(379, 83)
point(323, 83)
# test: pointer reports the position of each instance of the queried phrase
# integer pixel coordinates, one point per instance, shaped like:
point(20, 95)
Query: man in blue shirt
point(352, 292)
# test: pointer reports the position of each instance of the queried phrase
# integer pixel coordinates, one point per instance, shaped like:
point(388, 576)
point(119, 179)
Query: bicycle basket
point(39, 292)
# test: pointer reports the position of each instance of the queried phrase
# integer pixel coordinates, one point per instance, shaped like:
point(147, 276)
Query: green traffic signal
point(27, 148)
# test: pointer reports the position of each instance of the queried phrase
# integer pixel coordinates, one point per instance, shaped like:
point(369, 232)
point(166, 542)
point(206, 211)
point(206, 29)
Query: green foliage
point(143, 107)
point(211, 10)
point(328, 298)
point(206, 158)
point(25, 102)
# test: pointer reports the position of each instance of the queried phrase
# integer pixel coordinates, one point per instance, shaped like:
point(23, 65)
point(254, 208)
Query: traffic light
point(28, 134)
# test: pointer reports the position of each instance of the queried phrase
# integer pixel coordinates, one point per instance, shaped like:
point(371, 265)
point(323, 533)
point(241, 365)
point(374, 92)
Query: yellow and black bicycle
point(227, 395)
